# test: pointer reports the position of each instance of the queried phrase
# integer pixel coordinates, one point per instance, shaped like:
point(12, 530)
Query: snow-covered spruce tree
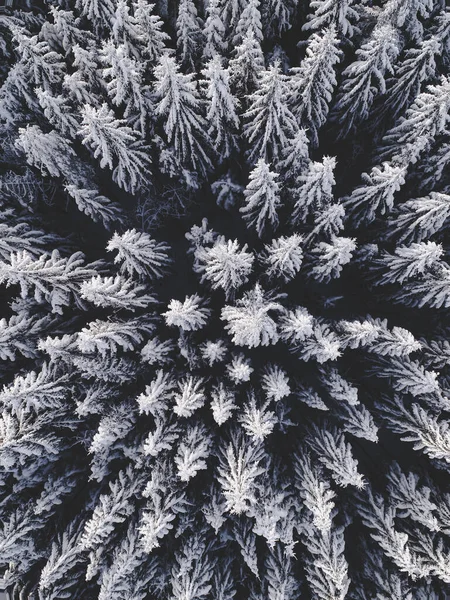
point(225, 294)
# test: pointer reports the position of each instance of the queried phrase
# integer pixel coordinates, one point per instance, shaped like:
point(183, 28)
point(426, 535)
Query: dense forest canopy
point(225, 294)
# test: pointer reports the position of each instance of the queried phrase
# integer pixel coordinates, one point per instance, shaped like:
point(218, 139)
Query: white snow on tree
point(261, 198)
point(249, 320)
point(181, 109)
point(239, 469)
point(118, 146)
point(237, 414)
point(284, 257)
point(313, 82)
point(188, 315)
point(225, 265)
point(222, 108)
point(269, 123)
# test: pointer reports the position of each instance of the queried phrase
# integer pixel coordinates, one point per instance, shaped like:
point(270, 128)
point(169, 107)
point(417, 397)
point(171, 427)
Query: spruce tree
point(224, 276)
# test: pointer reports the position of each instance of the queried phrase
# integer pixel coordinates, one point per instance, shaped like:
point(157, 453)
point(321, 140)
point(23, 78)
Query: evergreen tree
point(189, 32)
point(139, 254)
point(315, 80)
point(315, 189)
point(214, 31)
point(332, 12)
point(49, 152)
point(97, 11)
point(221, 109)
point(40, 63)
point(153, 38)
point(117, 145)
point(124, 82)
point(55, 279)
point(59, 113)
point(261, 198)
point(179, 104)
point(277, 17)
point(249, 20)
point(239, 414)
point(378, 193)
point(425, 119)
point(418, 66)
point(269, 122)
point(246, 64)
point(365, 77)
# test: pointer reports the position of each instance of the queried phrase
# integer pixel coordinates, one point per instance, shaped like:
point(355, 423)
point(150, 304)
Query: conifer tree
point(117, 145)
point(426, 118)
point(314, 81)
point(49, 152)
point(214, 31)
point(260, 409)
point(188, 32)
point(222, 107)
point(269, 123)
point(179, 104)
point(277, 16)
point(59, 113)
point(332, 12)
point(124, 82)
point(246, 64)
point(261, 198)
point(40, 63)
point(153, 38)
point(365, 77)
point(249, 20)
point(417, 67)
point(315, 189)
